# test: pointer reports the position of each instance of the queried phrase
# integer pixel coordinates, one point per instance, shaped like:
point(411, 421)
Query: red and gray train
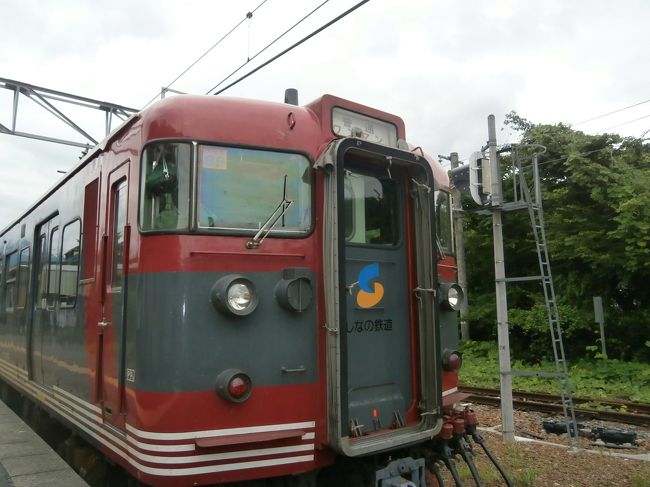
point(226, 290)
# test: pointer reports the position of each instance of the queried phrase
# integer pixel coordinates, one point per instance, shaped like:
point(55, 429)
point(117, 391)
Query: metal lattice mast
point(52, 102)
point(536, 213)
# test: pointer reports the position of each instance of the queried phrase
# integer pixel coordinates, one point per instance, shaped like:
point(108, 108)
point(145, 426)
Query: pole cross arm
point(44, 98)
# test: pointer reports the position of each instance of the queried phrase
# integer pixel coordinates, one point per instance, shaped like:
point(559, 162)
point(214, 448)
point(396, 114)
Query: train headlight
point(239, 296)
point(452, 296)
point(234, 295)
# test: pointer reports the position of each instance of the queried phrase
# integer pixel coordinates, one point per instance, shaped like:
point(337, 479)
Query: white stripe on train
point(190, 435)
point(90, 425)
point(449, 391)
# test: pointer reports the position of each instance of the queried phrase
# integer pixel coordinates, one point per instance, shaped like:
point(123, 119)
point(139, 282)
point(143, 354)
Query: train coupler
point(403, 472)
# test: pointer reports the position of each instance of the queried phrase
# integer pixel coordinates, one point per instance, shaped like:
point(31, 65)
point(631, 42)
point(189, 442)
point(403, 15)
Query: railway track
point(627, 412)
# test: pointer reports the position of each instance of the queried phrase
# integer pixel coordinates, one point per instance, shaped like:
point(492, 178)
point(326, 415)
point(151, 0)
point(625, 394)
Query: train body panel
point(229, 289)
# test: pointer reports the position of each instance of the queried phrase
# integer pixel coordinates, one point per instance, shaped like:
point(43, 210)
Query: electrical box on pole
point(480, 179)
point(599, 317)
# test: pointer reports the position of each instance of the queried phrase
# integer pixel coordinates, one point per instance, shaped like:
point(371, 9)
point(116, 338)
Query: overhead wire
point(266, 47)
point(625, 123)
point(565, 158)
point(603, 130)
point(248, 16)
point(611, 113)
point(293, 46)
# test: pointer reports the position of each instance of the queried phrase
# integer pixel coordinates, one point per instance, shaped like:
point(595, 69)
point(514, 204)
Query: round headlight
point(234, 295)
point(452, 296)
point(240, 296)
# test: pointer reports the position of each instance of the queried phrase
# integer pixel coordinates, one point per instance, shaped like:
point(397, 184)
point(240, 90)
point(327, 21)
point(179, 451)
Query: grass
point(514, 461)
point(641, 479)
point(595, 378)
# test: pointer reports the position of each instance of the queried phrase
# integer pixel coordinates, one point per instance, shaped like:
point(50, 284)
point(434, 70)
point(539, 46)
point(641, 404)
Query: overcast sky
point(442, 65)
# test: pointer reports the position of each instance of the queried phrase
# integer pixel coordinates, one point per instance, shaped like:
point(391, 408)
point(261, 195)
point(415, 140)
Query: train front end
point(283, 297)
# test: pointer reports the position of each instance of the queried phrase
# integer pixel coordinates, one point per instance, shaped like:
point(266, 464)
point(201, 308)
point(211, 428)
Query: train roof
point(241, 120)
point(92, 153)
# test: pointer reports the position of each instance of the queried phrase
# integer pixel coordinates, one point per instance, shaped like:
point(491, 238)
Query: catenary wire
point(266, 47)
point(564, 158)
point(293, 46)
point(246, 17)
point(611, 113)
point(625, 123)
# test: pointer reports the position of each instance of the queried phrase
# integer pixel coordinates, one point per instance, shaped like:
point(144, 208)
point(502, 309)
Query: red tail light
point(238, 387)
point(234, 385)
point(452, 360)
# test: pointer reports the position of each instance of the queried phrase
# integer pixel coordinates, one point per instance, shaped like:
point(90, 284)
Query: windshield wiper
point(271, 221)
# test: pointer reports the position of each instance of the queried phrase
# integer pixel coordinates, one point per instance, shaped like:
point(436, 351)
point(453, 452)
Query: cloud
point(442, 66)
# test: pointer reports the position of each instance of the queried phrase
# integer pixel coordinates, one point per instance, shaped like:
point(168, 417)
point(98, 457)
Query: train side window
point(70, 258)
point(54, 269)
point(89, 246)
point(12, 273)
point(23, 278)
point(10, 282)
point(443, 221)
point(165, 187)
point(2, 282)
point(119, 221)
point(43, 271)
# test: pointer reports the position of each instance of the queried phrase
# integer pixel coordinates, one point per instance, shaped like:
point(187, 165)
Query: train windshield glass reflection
point(238, 189)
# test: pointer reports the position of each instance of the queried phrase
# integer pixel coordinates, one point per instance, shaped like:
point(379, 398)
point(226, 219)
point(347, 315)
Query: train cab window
point(165, 187)
point(370, 207)
point(243, 189)
point(23, 278)
point(443, 221)
point(70, 258)
point(10, 282)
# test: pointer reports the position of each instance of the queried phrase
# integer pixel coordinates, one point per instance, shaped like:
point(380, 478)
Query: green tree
point(596, 195)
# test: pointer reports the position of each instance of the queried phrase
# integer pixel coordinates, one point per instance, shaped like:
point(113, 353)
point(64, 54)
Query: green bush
point(596, 378)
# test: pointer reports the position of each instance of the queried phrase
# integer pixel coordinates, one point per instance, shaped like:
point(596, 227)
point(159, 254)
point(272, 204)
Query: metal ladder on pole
point(536, 213)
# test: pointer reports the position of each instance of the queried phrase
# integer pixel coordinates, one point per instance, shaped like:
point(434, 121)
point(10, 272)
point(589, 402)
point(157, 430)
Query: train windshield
point(239, 188)
point(165, 191)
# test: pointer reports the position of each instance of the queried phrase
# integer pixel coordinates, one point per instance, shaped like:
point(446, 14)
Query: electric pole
point(507, 415)
point(459, 220)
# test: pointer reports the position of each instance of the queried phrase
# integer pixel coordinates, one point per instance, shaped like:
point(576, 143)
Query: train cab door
point(45, 295)
point(111, 327)
point(376, 377)
point(384, 379)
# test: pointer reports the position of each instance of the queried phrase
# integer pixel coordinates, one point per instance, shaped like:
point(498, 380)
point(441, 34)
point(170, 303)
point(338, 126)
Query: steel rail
point(633, 413)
